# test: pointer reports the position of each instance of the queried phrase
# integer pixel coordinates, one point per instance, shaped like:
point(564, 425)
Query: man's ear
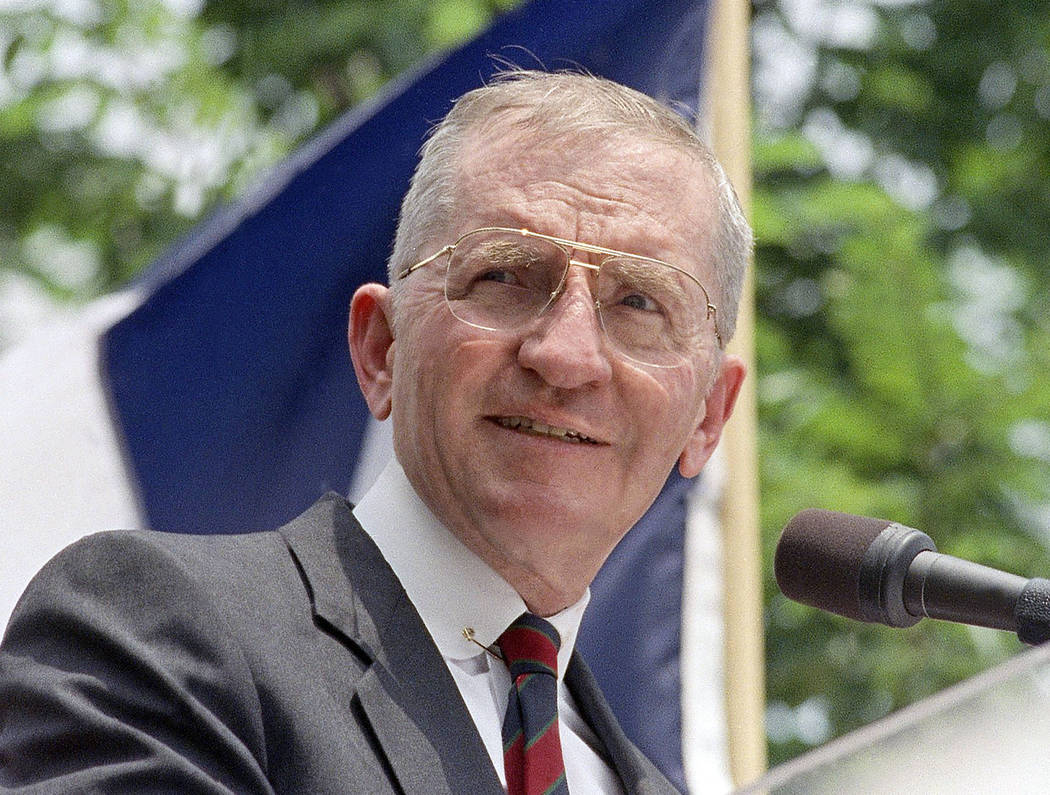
point(717, 408)
point(371, 337)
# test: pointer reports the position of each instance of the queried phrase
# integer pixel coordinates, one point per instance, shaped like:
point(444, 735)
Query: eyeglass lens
point(651, 313)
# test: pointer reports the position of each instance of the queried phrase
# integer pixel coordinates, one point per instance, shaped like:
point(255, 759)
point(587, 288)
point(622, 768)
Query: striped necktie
point(531, 746)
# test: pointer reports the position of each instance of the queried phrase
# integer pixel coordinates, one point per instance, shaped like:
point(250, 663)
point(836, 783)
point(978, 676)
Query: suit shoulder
point(235, 577)
point(129, 557)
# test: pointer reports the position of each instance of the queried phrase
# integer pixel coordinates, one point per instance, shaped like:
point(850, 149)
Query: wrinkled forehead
point(613, 188)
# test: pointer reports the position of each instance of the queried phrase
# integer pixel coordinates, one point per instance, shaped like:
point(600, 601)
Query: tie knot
point(530, 646)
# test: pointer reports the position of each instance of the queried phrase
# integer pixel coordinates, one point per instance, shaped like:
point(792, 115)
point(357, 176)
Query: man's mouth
point(535, 428)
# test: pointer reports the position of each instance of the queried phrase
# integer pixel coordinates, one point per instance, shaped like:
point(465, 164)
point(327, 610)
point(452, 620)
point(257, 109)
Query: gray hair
point(565, 104)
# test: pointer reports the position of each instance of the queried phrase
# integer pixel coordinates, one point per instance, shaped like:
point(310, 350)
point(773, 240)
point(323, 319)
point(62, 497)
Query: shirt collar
point(450, 587)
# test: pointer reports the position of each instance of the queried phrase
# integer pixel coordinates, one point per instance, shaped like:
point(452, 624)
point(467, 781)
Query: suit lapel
point(636, 772)
point(406, 694)
point(414, 761)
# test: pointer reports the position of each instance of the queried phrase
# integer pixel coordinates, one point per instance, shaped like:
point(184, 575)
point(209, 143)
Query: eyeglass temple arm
point(440, 253)
point(712, 313)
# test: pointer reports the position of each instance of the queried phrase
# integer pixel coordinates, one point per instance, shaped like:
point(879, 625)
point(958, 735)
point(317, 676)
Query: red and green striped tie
point(531, 746)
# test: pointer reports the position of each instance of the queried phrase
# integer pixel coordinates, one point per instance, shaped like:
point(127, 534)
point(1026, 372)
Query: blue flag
point(231, 382)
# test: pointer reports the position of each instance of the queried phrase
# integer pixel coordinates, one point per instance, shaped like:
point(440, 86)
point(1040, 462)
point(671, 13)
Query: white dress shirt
point(454, 590)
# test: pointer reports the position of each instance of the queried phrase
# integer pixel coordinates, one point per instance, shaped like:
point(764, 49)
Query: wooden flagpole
point(728, 93)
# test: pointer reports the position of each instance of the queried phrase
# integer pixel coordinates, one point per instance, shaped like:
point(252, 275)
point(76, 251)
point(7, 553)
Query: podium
point(988, 734)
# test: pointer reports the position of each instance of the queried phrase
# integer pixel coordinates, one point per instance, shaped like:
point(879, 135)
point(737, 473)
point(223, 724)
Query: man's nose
point(566, 345)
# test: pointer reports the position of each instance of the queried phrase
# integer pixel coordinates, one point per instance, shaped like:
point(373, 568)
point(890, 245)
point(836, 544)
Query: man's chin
point(536, 499)
point(552, 516)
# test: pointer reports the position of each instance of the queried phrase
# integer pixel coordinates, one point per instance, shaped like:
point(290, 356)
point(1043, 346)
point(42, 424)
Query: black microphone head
point(819, 556)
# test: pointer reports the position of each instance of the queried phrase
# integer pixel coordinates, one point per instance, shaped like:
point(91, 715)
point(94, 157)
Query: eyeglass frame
point(566, 246)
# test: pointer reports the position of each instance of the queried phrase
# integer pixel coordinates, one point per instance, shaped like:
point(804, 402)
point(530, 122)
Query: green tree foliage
point(901, 212)
point(117, 130)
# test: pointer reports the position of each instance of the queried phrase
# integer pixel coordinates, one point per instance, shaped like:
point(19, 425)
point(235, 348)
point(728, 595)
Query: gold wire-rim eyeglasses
point(567, 246)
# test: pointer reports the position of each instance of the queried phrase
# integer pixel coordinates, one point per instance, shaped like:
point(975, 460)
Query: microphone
point(882, 572)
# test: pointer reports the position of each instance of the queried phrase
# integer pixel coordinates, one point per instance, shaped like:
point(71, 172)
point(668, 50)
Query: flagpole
point(728, 104)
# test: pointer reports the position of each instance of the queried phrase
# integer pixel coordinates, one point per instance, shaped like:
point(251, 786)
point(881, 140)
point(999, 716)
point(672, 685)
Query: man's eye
point(500, 276)
point(640, 302)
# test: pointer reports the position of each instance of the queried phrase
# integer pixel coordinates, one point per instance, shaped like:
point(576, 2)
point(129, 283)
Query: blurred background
point(901, 206)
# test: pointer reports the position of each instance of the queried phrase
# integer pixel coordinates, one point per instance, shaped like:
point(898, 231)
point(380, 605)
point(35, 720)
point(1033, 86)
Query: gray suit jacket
point(287, 661)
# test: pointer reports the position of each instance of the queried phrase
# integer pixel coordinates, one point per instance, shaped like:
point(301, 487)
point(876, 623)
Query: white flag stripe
point(62, 475)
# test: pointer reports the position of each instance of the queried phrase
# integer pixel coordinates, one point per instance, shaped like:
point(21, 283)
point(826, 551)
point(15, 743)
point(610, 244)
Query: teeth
point(542, 429)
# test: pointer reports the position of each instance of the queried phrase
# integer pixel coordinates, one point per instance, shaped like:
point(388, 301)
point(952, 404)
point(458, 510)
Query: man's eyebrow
point(645, 272)
point(511, 251)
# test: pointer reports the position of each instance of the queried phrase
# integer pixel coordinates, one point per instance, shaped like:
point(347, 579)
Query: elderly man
point(564, 277)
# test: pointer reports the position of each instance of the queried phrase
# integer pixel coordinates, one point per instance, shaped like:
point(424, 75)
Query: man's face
point(539, 507)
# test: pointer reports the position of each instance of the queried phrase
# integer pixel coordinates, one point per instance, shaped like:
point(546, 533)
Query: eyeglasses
point(501, 279)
